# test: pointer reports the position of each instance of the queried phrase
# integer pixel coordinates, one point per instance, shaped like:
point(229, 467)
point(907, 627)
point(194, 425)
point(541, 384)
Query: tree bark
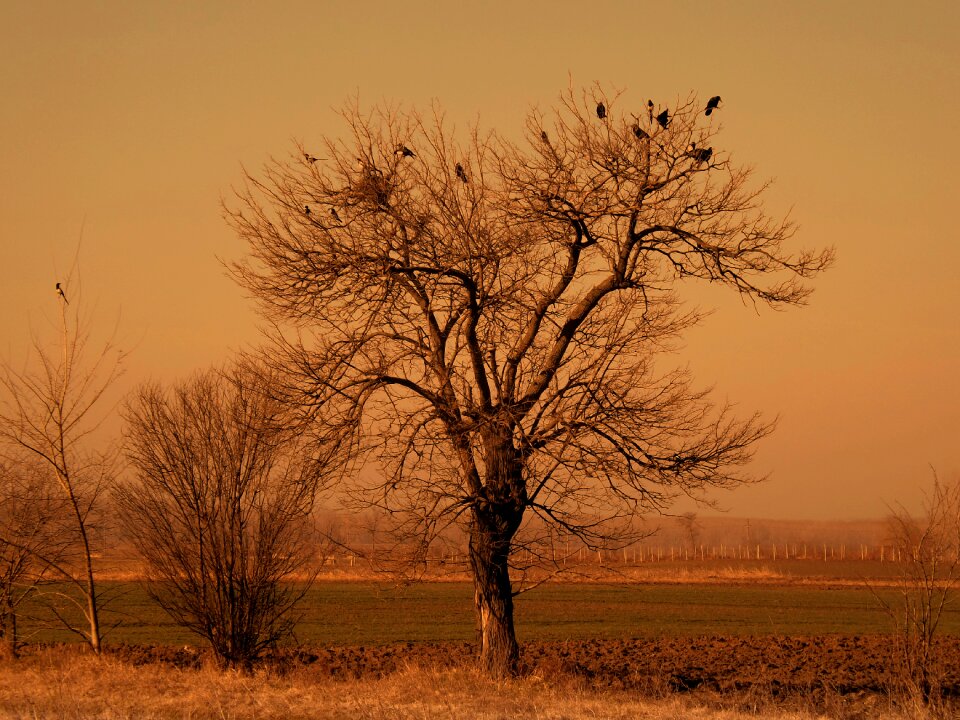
point(93, 611)
point(496, 519)
point(9, 627)
point(93, 616)
point(493, 594)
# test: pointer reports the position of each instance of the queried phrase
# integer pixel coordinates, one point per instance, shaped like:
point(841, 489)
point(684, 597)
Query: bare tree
point(691, 529)
point(31, 544)
point(929, 548)
point(489, 322)
point(220, 508)
point(49, 411)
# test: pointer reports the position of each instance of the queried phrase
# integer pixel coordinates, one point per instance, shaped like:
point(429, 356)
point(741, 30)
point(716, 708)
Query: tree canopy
point(490, 319)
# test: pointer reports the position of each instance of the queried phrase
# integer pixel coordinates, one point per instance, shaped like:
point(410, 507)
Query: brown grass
point(66, 683)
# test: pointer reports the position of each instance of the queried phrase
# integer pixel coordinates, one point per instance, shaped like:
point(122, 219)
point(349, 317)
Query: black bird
point(60, 293)
point(650, 109)
point(544, 137)
point(461, 173)
point(309, 158)
point(333, 212)
point(712, 104)
point(306, 209)
point(601, 110)
point(664, 119)
point(701, 155)
point(640, 132)
point(403, 151)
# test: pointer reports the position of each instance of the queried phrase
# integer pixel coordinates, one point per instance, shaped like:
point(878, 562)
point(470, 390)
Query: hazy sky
point(126, 122)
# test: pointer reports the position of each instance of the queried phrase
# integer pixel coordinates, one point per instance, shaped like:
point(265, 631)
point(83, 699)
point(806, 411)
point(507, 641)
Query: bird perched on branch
point(306, 209)
point(310, 158)
point(334, 215)
point(403, 151)
point(461, 173)
point(640, 132)
point(664, 119)
point(701, 155)
point(601, 110)
point(60, 293)
point(650, 109)
point(712, 104)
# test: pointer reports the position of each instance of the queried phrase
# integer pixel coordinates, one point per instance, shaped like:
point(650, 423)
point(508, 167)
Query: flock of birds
point(662, 118)
point(700, 155)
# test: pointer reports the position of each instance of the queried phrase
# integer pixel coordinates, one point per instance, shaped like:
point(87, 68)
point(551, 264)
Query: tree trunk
point(497, 514)
point(8, 626)
point(493, 594)
point(93, 616)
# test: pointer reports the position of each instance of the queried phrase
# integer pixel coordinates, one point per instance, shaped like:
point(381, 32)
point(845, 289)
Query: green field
point(364, 613)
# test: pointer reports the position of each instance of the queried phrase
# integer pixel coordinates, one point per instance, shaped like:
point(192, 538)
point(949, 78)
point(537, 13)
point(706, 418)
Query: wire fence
point(642, 554)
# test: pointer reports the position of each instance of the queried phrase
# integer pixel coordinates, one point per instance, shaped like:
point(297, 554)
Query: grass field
point(75, 686)
point(600, 674)
point(364, 612)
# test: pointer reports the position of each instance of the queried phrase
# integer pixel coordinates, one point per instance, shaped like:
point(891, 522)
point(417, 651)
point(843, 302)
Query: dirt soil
point(780, 667)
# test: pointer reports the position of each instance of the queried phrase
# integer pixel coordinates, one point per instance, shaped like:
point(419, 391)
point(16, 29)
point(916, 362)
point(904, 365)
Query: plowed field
point(771, 666)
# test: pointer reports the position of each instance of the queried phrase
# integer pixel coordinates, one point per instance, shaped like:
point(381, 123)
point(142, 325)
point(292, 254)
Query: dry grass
point(705, 574)
point(59, 683)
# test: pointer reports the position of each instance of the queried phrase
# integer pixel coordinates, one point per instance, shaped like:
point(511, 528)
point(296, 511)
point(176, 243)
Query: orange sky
point(126, 122)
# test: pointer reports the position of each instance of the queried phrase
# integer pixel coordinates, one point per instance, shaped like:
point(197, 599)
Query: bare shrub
point(32, 541)
point(220, 508)
point(929, 550)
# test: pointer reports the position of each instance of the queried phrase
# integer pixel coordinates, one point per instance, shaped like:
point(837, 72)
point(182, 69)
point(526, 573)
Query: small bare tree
point(691, 529)
point(220, 508)
point(487, 321)
point(929, 548)
point(49, 411)
point(31, 542)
